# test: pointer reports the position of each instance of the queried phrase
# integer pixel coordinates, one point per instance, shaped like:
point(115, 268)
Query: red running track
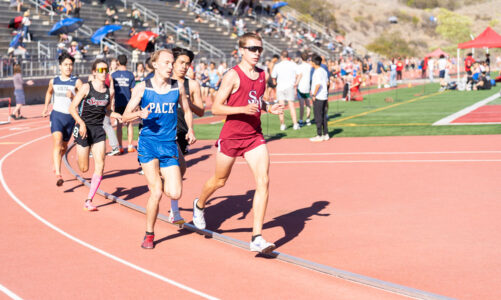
point(483, 114)
point(415, 211)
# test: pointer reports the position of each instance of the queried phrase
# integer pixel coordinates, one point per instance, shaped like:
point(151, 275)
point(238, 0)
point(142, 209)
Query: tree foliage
point(453, 27)
point(391, 45)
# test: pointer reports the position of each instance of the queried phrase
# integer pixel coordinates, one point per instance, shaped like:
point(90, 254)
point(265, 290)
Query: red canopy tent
point(487, 39)
point(437, 53)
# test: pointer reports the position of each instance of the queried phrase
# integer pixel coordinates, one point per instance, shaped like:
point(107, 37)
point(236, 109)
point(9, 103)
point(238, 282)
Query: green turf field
point(412, 112)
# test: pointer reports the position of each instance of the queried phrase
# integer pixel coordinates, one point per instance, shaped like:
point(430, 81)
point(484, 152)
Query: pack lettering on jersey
point(61, 102)
point(161, 108)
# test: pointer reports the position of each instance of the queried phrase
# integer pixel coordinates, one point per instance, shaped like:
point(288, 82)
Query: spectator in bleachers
point(111, 15)
point(19, 92)
point(73, 49)
point(180, 27)
point(26, 25)
point(169, 42)
point(132, 31)
point(199, 19)
point(105, 53)
point(16, 3)
point(136, 19)
point(139, 74)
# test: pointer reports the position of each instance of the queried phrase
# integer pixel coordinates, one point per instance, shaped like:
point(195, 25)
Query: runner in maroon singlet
point(240, 98)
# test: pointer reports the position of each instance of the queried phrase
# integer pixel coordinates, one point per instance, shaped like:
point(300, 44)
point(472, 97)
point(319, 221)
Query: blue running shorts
point(63, 123)
point(165, 151)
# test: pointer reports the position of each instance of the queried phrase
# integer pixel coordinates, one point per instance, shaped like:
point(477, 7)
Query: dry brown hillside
point(365, 20)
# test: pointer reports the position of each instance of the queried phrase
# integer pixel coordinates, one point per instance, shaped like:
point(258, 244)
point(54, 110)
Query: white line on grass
point(93, 248)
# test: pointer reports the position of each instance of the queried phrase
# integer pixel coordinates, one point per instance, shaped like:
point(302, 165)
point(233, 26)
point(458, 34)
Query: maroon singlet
point(243, 126)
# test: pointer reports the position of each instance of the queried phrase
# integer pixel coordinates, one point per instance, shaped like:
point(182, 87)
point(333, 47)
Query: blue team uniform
point(157, 138)
point(60, 118)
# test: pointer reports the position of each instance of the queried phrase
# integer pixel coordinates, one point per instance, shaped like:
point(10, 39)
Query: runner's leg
point(151, 172)
point(224, 164)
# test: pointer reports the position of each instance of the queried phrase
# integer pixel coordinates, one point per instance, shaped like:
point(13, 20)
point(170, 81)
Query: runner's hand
point(277, 109)
point(117, 116)
point(82, 130)
point(145, 112)
point(44, 113)
point(251, 109)
point(190, 137)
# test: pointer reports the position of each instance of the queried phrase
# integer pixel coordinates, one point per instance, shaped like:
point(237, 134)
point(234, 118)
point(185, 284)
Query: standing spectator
point(284, 74)
point(393, 73)
point(381, 74)
point(19, 92)
point(400, 68)
point(424, 67)
point(124, 82)
point(431, 68)
point(319, 94)
point(214, 81)
point(468, 63)
point(442, 67)
point(303, 88)
point(26, 26)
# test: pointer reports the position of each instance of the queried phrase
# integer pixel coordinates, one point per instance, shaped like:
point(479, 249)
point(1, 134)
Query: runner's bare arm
point(111, 105)
point(82, 93)
point(188, 116)
point(130, 113)
point(196, 103)
point(230, 84)
point(48, 96)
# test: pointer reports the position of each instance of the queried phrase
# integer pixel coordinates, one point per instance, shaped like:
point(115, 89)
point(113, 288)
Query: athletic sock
point(173, 205)
point(255, 236)
point(94, 185)
point(149, 233)
point(199, 206)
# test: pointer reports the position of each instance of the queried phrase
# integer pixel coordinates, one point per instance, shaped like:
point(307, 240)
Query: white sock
point(173, 205)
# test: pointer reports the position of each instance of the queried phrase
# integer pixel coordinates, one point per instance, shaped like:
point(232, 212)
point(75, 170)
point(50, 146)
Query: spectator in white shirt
point(319, 96)
point(303, 88)
point(284, 75)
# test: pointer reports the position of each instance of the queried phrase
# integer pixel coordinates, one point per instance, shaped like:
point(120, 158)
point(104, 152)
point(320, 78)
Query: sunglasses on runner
point(102, 70)
point(254, 49)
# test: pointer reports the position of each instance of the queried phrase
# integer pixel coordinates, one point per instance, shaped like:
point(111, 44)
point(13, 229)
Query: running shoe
point(198, 216)
point(60, 180)
point(325, 137)
point(88, 206)
point(282, 127)
point(175, 217)
point(13, 117)
point(148, 242)
point(131, 149)
point(140, 172)
point(261, 246)
point(295, 127)
point(90, 154)
point(308, 122)
point(113, 151)
point(317, 139)
point(301, 123)
point(21, 118)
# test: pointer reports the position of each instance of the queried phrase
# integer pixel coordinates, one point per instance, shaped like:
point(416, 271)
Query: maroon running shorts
point(235, 148)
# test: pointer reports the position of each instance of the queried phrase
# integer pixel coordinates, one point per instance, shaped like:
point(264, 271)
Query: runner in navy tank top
point(89, 109)
point(240, 98)
point(60, 91)
point(157, 149)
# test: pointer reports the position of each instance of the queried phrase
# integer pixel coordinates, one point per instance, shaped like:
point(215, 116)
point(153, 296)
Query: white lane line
point(21, 132)
point(385, 153)
point(9, 293)
point(449, 119)
point(93, 248)
point(24, 124)
point(378, 161)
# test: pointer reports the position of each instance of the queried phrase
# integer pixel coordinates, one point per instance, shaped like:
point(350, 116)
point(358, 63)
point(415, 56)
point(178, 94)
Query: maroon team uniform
point(241, 132)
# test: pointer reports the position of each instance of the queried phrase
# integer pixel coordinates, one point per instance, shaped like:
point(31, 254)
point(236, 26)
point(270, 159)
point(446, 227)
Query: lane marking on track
point(377, 161)
point(382, 108)
point(91, 247)
point(14, 125)
point(21, 132)
point(449, 119)
point(386, 153)
point(345, 275)
point(9, 293)
point(10, 143)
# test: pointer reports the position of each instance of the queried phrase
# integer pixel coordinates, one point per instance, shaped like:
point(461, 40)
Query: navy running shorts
point(63, 123)
point(166, 152)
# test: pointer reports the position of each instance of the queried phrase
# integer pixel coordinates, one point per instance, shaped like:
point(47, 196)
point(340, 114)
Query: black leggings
point(320, 110)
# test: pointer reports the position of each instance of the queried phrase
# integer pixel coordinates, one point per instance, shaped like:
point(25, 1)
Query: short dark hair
point(178, 51)
point(122, 59)
point(317, 60)
point(275, 56)
point(284, 53)
point(304, 56)
point(65, 55)
point(98, 61)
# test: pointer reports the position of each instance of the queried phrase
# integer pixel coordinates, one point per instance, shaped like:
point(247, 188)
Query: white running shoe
point(296, 126)
point(262, 246)
point(175, 217)
point(198, 216)
point(325, 137)
point(282, 127)
point(317, 139)
point(308, 122)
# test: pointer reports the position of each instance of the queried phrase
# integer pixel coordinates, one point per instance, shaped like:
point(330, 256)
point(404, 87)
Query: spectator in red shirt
point(400, 67)
point(424, 67)
point(355, 93)
point(468, 62)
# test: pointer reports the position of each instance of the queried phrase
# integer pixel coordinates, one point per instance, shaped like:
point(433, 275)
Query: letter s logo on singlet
point(254, 100)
